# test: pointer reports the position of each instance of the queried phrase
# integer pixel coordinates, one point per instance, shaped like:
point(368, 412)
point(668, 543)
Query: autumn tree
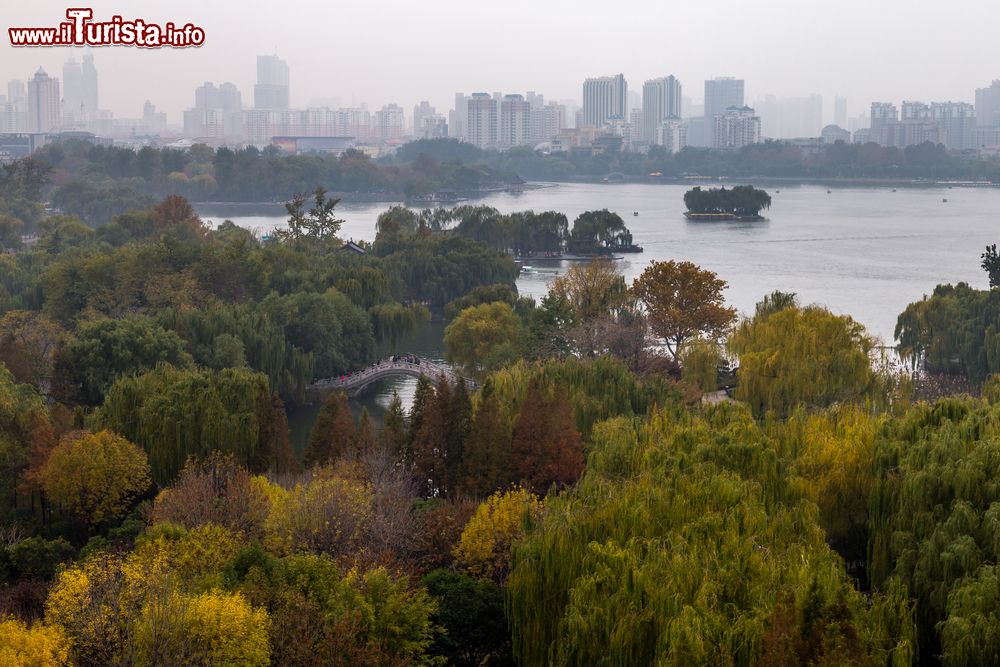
point(393, 435)
point(333, 432)
point(484, 549)
point(28, 344)
point(38, 645)
point(546, 448)
point(216, 490)
point(683, 301)
point(484, 337)
point(96, 476)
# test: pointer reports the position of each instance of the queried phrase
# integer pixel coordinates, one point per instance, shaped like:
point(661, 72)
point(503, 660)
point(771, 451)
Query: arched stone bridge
point(401, 364)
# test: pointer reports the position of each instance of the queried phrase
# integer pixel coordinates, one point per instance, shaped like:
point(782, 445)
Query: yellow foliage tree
point(95, 475)
point(485, 546)
point(206, 630)
point(35, 646)
point(328, 514)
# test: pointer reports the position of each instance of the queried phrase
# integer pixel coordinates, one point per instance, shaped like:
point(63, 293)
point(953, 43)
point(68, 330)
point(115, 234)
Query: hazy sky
point(405, 51)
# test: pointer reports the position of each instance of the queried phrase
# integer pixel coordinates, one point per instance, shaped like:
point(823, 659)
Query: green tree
point(104, 350)
point(471, 612)
point(332, 433)
point(991, 265)
point(804, 356)
point(483, 338)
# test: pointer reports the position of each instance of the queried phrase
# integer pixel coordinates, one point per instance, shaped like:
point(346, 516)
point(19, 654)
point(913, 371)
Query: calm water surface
point(866, 252)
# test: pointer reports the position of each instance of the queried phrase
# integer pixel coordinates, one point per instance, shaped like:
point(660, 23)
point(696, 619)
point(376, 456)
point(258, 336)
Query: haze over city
point(345, 54)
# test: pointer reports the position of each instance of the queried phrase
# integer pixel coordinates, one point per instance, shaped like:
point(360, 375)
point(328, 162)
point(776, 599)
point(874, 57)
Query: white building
point(736, 128)
point(515, 121)
point(389, 122)
point(672, 135)
point(482, 121)
point(43, 103)
point(604, 98)
point(661, 99)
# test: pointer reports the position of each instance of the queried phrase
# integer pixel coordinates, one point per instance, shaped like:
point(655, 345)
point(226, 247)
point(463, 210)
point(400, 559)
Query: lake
point(866, 252)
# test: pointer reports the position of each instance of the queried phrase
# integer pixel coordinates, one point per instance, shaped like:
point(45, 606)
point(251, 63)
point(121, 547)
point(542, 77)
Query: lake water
point(866, 252)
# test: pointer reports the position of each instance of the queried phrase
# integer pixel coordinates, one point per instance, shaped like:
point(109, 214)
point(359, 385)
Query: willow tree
point(678, 546)
point(174, 414)
point(805, 356)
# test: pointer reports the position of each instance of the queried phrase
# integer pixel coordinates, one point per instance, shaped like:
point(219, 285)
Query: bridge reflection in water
point(403, 364)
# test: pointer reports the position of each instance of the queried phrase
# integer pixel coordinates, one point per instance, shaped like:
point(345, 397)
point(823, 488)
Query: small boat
point(829, 191)
point(894, 189)
point(777, 192)
point(636, 213)
point(944, 201)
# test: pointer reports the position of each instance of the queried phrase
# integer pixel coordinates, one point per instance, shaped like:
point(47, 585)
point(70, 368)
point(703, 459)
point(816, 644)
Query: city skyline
point(378, 66)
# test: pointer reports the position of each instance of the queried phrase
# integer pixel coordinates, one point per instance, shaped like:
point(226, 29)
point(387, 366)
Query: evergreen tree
point(364, 440)
point(333, 432)
point(393, 436)
point(431, 444)
point(458, 426)
point(486, 464)
point(421, 403)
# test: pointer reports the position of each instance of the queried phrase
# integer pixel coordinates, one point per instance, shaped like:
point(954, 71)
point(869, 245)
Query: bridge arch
point(405, 364)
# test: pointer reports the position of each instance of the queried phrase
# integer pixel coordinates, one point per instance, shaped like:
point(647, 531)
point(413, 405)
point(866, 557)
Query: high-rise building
point(421, 111)
point(43, 103)
point(515, 121)
point(14, 111)
point(206, 96)
point(72, 91)
point(272, 88)
point(958, 120)
point(661, 99)
point(604, 98)
point(736, 127)
point(458, 117)
point(988, 105)
point(389, 122)
point(482, 121)
point(230, 99)
point(791, 117)
point(840, 111)
point(547, 121)
point(720, 94)
point(90, 97)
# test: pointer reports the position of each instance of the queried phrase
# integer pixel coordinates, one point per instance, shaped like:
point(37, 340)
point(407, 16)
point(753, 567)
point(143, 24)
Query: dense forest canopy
point(599, 498)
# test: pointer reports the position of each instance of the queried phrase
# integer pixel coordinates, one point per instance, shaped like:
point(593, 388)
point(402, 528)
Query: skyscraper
point(420, 112)
point(89, 91)
point(230, 98)
point(43, 102)
point(720, 94)
point(604, 98)
point(840, 111)
point(483, 126)
point(661, 99)
point(272, 88)
point(72, 90)
point(458, 117)
point(988, 105)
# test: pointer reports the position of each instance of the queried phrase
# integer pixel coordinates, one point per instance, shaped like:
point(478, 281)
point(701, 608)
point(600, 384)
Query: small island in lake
point(743, 202)
point(600, 233)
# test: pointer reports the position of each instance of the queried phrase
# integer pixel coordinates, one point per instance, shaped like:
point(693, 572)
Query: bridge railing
point(362, 377)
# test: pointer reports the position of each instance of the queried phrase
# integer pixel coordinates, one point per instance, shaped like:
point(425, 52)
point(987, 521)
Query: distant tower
point(272, 89)
point(90, 97)
point(43, 103)
point(661, 99)
point(840, 111)
point(720, 95)
point(72, 82)
point(604, 97)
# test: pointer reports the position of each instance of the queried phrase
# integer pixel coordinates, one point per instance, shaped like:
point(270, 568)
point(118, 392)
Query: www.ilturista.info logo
point(80, 30)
